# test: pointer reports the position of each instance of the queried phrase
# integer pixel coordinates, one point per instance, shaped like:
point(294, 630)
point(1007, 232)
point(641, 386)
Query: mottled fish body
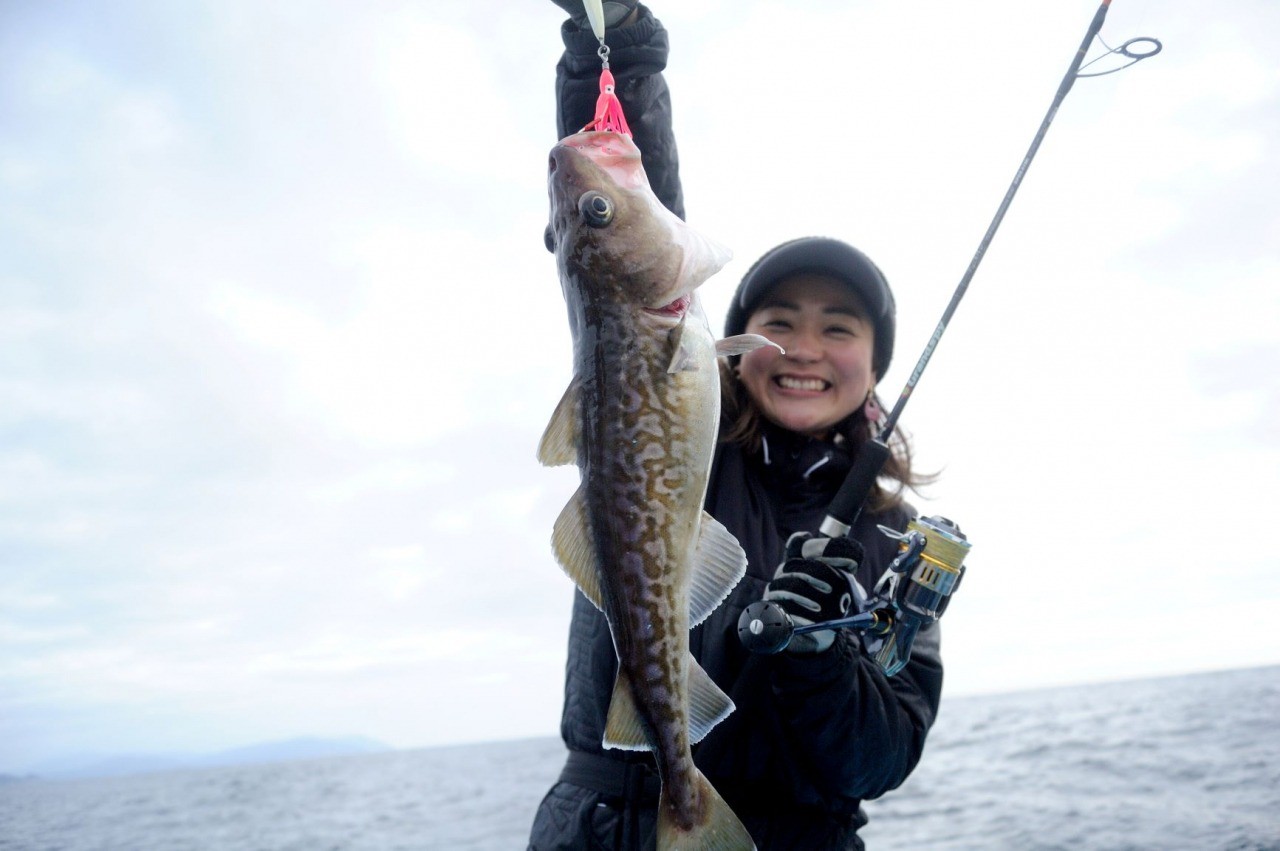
point(640, 420)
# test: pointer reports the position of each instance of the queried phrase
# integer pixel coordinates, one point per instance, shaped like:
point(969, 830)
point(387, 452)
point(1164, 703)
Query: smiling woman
point(831, 310)
point(823, 373)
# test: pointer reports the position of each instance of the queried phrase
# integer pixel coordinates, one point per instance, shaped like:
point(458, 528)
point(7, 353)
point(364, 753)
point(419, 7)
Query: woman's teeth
point(801, 383)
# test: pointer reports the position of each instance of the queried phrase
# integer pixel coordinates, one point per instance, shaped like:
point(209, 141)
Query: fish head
point(612, 235)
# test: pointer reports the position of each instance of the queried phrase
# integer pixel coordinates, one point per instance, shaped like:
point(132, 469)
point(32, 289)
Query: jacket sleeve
point(637, 56)
point(860, 732)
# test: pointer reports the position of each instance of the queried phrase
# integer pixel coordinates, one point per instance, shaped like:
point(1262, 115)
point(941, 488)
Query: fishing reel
point(912, 593)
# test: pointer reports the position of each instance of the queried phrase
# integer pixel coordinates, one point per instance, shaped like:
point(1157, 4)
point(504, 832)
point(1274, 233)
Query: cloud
point(280, 338)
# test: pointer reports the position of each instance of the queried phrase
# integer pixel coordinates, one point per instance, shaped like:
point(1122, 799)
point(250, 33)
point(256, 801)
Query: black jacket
point(811, 736)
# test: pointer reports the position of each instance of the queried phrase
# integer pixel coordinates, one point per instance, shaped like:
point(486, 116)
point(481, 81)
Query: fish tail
point(719, 830)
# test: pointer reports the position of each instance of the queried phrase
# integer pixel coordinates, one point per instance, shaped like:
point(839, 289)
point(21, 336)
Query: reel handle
point(765, 628)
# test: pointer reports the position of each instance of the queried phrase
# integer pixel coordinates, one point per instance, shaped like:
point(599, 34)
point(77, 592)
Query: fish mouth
point(675, 309)
point(615, 155)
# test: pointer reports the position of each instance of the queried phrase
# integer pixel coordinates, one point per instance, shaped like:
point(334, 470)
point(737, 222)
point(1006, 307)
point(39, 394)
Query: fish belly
point(645, 508)
point(638, 544)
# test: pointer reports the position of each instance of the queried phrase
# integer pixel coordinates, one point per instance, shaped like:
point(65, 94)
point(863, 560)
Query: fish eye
point(596, 209)
point(549, 239)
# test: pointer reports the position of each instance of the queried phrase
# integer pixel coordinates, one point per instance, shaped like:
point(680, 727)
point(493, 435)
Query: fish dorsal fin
point(623, 729)
point(717, 566)
point(571, 540)
point(684, 357)
point(559, 444)
point(708, 705)
point(740, 344)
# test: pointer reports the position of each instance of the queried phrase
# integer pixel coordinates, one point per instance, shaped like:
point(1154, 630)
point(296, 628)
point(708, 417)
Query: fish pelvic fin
point(719, 828)
point(559, 443)
point(717, 566)
point(574, 549)
point(708, 706)
point(740, 344)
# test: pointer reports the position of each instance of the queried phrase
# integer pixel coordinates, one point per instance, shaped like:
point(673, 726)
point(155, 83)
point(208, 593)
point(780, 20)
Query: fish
point(640, 419)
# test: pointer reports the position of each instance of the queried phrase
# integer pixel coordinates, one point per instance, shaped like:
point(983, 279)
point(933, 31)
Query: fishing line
point(916, 588)
point(848, 502)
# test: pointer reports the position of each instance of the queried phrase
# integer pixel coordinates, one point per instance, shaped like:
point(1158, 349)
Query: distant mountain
point(307, 747)
point(115, 765)
point(15, 778)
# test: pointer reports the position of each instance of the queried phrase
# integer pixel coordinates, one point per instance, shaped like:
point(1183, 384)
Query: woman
point(818, 728)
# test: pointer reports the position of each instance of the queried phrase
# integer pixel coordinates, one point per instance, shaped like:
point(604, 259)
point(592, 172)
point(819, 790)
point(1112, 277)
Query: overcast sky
point(278, 336)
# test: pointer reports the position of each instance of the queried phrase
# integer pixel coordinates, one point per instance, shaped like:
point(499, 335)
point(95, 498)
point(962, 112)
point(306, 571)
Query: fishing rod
point(916, 587)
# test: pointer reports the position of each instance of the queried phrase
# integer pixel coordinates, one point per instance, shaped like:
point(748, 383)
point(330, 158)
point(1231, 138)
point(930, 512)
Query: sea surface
point(1187, 762)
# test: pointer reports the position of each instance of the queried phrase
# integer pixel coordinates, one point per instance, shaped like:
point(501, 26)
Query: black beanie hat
point(829, 257)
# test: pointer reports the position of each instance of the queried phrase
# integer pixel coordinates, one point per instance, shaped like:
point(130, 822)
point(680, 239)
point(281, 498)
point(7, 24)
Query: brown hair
point(744, 427)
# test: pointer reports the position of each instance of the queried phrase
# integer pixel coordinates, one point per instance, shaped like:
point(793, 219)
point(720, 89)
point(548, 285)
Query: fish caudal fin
point(719, 830)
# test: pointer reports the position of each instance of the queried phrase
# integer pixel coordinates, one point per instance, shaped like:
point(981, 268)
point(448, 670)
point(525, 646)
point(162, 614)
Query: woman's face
point(826, 372)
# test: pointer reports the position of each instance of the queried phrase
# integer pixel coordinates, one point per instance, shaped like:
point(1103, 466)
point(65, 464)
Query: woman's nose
point(804, 346)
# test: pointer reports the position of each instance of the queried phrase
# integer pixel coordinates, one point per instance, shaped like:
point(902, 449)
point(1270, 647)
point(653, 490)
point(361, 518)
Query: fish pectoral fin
point(743, 343)
point(683, 356)
point(708, 704)
point(623, 729)
point(573, 547)
point(559, 444)
point(718, 564)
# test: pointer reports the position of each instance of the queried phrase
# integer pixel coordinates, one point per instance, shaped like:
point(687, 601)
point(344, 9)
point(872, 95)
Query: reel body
point(912, 593)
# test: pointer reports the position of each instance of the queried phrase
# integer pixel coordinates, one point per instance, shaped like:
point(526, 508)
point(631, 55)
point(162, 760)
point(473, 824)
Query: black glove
point(615, 11)
point(815, 583)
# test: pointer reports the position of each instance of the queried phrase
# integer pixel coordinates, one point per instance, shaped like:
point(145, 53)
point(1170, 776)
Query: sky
point(278, 337)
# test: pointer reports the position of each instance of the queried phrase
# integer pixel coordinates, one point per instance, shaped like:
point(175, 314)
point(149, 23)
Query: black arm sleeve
point(637, 56)
point(859, 731)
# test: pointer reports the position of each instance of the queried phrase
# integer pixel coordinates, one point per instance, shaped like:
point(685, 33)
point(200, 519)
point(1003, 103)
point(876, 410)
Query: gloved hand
point(816, 583)
point(615, 11)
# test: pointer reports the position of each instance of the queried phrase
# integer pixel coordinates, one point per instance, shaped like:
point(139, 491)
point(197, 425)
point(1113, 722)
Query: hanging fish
point(640, 419)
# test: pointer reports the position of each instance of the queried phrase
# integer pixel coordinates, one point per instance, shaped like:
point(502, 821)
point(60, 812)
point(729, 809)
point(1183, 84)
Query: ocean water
point(1179, 763)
